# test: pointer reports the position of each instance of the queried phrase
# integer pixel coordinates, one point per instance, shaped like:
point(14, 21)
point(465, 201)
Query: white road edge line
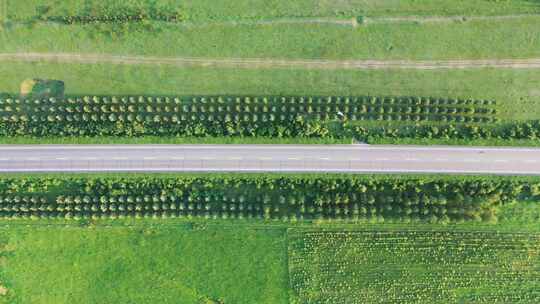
point(275, 170)
point(280, 147)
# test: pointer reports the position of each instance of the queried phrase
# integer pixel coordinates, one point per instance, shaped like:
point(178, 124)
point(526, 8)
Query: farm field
point(414, 267)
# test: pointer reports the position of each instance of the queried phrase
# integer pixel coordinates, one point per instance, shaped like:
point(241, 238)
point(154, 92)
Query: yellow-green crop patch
point(414, 267)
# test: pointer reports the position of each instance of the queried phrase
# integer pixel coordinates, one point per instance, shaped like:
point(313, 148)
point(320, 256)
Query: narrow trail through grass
point(256, 63)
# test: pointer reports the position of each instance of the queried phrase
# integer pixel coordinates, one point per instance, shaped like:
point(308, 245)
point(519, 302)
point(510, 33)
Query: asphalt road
point(268, 158)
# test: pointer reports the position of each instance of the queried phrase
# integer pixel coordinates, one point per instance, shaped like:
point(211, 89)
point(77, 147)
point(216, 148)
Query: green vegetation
point(283, 239)
point(194, 260)
point(509, 38)
point(180, 264)
point(414, 267)
point(515, 91)
point(360, 118)
point(346, 198)
point(209, 10)
point(128, 116)
point(198, 261)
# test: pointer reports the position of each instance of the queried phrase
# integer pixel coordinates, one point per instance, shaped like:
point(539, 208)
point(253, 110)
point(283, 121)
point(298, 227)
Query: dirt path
point(256, 63)
point(354, 21)
point(437, 19)
point(276, 21)
point(349, 22)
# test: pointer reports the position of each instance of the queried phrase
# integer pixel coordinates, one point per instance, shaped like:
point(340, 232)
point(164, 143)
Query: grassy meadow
point(178, 264)
point(209, 10)
point(508, 38)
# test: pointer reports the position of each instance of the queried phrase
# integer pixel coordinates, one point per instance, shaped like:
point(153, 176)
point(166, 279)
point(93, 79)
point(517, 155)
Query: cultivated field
point(414, 267)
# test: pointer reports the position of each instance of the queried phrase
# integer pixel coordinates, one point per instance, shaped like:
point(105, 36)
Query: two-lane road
point(268, 158)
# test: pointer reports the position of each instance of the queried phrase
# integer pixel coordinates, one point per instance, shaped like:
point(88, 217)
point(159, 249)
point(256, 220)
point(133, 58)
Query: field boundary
point(257, 63)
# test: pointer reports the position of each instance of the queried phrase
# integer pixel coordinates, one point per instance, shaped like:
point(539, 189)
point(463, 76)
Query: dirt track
point(437, 19)
point(254, 63)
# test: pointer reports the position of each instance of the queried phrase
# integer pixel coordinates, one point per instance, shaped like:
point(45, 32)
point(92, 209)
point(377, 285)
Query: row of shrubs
point(257, 100)
point(320, 117)
point(348, 198)
point(279, 127)
point(529, 130)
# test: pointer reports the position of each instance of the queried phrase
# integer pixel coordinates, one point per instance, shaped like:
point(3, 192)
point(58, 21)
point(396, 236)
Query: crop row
point(51, 117)
point(352, 109)
point(287, 109)
point(247, 100)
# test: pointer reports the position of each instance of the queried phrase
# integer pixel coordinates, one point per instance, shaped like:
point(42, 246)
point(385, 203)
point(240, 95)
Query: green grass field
point(203, 10)
point(508, 38)
point(165, 264)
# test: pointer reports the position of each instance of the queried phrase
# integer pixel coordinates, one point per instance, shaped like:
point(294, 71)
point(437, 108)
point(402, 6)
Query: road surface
point(268, 158)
